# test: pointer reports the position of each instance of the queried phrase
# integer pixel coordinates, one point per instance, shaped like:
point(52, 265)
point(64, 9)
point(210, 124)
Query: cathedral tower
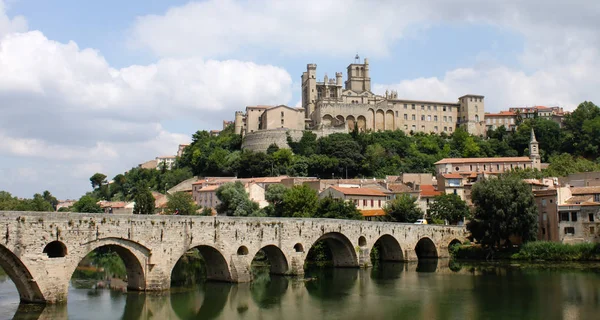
point(358, 76)
point(534, 152)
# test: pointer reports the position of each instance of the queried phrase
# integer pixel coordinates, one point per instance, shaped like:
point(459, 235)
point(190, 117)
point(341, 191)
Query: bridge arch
point(454, 242)
point(134, 255)
point(425, 249)
point(28, 289)
point(217, 267)
point(342, 250)
point(277, 259)
point(55, 249)
point(388, 248)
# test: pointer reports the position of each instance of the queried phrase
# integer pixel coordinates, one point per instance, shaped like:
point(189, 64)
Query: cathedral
point(335, 105)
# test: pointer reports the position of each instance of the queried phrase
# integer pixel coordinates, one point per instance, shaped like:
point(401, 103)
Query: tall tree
point(334, 208)
point(235, 201)
point(300, 202)
point(87, 204)
point(144, 200)
point(97, 180)
point(48, 197)
point(403, 209)
point(181, 203)
point(449, 207)
point(504, 207)
point(274, 195)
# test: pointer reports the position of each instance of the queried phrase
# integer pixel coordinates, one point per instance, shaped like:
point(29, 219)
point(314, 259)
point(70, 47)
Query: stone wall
point(40, 251)
point(261, 140)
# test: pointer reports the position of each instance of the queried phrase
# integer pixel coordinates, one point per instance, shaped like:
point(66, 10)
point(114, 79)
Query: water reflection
point(427, 290)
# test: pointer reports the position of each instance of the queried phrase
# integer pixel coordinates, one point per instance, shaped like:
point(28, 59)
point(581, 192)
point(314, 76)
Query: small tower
point(534, 152)
point(239, 122)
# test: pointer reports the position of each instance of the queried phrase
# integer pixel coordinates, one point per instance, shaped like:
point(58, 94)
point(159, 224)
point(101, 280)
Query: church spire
point(534, 152)
point(532, 136)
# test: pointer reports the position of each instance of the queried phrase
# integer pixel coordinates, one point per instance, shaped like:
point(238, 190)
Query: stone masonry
point(40, 251)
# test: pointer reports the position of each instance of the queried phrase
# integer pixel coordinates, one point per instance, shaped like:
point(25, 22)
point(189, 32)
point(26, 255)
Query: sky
point(101, 86)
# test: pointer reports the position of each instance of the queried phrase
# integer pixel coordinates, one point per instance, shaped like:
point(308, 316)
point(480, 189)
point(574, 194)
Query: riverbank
point(532, 251)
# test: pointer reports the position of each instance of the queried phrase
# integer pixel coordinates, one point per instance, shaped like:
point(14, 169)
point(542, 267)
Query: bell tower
point(534, 152)
point(358, 76)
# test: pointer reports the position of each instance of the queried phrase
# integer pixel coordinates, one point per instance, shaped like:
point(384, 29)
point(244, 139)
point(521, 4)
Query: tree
point(403, 209)
point(334, 208)
point(87, 204)
point(48, 197)
point(144, 200)
point(235, 201)
point(274, 195)
point(181, 203)
point(449, 207)
point(97, 180)
point(299, 202)
point(504, 207)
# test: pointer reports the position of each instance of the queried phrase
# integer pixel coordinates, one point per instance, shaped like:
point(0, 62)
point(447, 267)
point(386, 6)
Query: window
point(414, 117)
point(434, 108)
point(543, 230)
point(445, 119)
point(543, 202)
point(450, 118)
point(414, 127)
point(422, 128)
point(434, 118)
point(364, 202)
point(379, 203)
point(592, 231)
point(444, 108)
point(405, 116)
point(471, 167)
point(413, 106)
point(484, 167)
point(445, 128)
point(405, 106)
point(422, 107)
point(332, 94)
point(422, 118)
point(429, 108)
point(591, 217)
point(569, 230)
point(573, 216)
point(457, 168)
point(597, 198)
point(428, 118)
point(372, 203)
point(396, 114)
point(498, 167)
point(435, 129)
point(450, 129)
point(281, 121)
point(455, 191)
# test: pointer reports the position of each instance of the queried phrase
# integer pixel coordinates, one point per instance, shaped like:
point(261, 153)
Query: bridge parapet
point(40, 251)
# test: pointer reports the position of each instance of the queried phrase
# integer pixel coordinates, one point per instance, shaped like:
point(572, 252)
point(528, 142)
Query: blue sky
point(90, 86)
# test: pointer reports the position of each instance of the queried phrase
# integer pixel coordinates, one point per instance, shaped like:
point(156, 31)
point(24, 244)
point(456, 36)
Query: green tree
point(87, 204)
point(449, 207)
point(181, 203)
point(235, 201)
point(300, 202)
point(274, 195)
point(504, 207)
point(97, 180)
point(48, 197)
point(144, 200)
point(403, 208)
point(334, 208)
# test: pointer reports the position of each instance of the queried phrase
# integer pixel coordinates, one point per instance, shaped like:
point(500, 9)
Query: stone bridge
point(40, 251)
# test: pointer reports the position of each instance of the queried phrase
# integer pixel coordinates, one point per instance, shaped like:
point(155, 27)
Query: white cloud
point(8, 25)
point(67, 113)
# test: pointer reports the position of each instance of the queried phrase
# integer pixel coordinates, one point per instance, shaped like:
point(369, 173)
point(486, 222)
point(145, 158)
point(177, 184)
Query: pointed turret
point(534, 152)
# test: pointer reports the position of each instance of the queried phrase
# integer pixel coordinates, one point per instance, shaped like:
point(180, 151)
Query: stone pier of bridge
point(40, 251)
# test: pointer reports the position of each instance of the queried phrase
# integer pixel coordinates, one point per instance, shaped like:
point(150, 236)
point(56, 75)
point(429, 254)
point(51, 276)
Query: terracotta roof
point(268, 179)
point(501, 114)
point(209, 188)
point(585, 190)
point(113, 204)
point(428, 190)
point(373, 213)
point(480, 160)
point(578, 199)
point(359, 191)
point(399, 188)
point(452, 176)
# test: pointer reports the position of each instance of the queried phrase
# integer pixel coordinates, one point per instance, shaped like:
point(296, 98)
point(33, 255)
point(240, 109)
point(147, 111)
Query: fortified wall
point(261, 140)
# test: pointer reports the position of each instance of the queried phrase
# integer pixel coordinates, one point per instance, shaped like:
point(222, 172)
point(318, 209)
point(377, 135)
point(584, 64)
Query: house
point(117, 207)
point(369, 201)
point(508, 119)
point(427, 194)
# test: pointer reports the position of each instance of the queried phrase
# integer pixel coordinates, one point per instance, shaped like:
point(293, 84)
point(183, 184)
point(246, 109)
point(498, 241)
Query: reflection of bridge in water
point(389, 290)
point(40, 251)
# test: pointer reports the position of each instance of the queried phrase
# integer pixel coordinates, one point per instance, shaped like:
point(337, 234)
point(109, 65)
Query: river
point(430, 290)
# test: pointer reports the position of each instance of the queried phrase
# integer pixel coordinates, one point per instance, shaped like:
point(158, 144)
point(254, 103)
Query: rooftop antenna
point(356, 58)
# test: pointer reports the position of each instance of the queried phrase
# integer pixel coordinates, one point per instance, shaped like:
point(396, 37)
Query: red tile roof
point(373, 213)
point(428, 190)
point(452, 176)
point(481, 160)
point(359, 191)
point(585, 190)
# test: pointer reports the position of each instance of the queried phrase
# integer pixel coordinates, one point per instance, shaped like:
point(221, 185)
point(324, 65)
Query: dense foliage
point(504, 207)
point(39, 202)
point(235, 201)
point(403, 208)
point(144, 201)
point(449, 207)
point(573, 148)
point(181, 203)
point(88, 204)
